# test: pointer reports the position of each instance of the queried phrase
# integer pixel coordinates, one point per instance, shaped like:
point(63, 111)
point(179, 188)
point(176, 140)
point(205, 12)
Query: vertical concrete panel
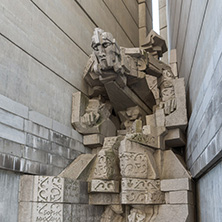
point(37, 35)
point(199, 51)
point(193, 30)
point(70, 18)
point(103, 18)
point(176, 23)
point(33, 85)
point(9, 187)
point(132, 6)
point(184, 16)
point(122, 15)
point(207, 42)
point(209, 195)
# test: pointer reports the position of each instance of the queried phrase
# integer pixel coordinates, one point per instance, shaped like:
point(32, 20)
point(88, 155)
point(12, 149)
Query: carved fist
point(169, 106)
point(90, 119)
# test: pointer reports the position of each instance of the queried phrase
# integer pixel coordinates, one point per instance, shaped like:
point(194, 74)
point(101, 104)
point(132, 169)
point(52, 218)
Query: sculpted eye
point(95, 48)
point(106, 44)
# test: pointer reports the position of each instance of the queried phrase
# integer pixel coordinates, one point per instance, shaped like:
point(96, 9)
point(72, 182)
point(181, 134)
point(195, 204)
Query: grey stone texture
point(42, 60)
point(34, 143)
point(199, 36)
point(44, 198)
point(209, 193)
point(9, 184)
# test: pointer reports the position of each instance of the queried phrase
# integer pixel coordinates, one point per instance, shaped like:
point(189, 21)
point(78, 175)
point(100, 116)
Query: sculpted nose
point(101, 50)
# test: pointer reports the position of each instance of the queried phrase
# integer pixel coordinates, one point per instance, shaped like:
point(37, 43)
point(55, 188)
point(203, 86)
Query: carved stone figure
point(143, 93)
point(135, 112)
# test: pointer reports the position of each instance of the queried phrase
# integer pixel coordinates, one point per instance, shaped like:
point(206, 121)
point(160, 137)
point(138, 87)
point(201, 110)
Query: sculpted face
point(105, 49)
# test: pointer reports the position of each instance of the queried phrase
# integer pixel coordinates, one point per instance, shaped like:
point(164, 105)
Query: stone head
point(105, 49)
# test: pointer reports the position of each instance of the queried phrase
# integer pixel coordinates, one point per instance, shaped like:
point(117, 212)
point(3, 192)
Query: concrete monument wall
point(44, 48)
point(195, 31)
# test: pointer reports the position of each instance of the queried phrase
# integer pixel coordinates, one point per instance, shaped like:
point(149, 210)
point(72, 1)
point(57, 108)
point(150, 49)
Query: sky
point(155, 9)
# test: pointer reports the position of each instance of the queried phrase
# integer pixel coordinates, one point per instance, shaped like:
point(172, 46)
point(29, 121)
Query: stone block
point(25, 212)
point(159, 117)
point(141, 191)
point(78, 146)
point(13, 107)
point(11, 120)
point(60, 128)
point(58, 212)
point(59, 138)
point(38, 143)
point(73, 154)
point(35, 155)
point(163, 18)
point(10, 147)
point(44, 211)
point(11, 162)
point(104, 186)
point(137, 161)
point(175, 138)
point(106, 164)
point(145, 139)
point(163, 33)
point(50, 189)
point(173, 56)
point(57, 160)
point(83, 212)
point(173, 168)
point(174, 69)
point(142, 15)
point(104, 199)
point(61, 150)
point(79, 168)
point(142, 35)
point(36, 129)
point(76, 136)
point(29, 166)
point(135, 52)
point(179, 117)
point(93, 140)
point(180, 197)
point(40, 119)
point(142, 197)
point(150, 120)
point(176, 184)
point(12, 134)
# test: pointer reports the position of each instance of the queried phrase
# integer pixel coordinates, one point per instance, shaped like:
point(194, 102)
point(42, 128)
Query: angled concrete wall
point(44, 48)
point(195, 31)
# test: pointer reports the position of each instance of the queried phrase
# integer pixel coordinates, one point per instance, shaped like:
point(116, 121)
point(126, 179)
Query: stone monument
point(133, 118)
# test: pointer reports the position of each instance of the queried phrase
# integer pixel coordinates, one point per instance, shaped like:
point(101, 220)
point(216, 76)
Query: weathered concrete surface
point(209, 194)
point(199, 61)
point(9, 187)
